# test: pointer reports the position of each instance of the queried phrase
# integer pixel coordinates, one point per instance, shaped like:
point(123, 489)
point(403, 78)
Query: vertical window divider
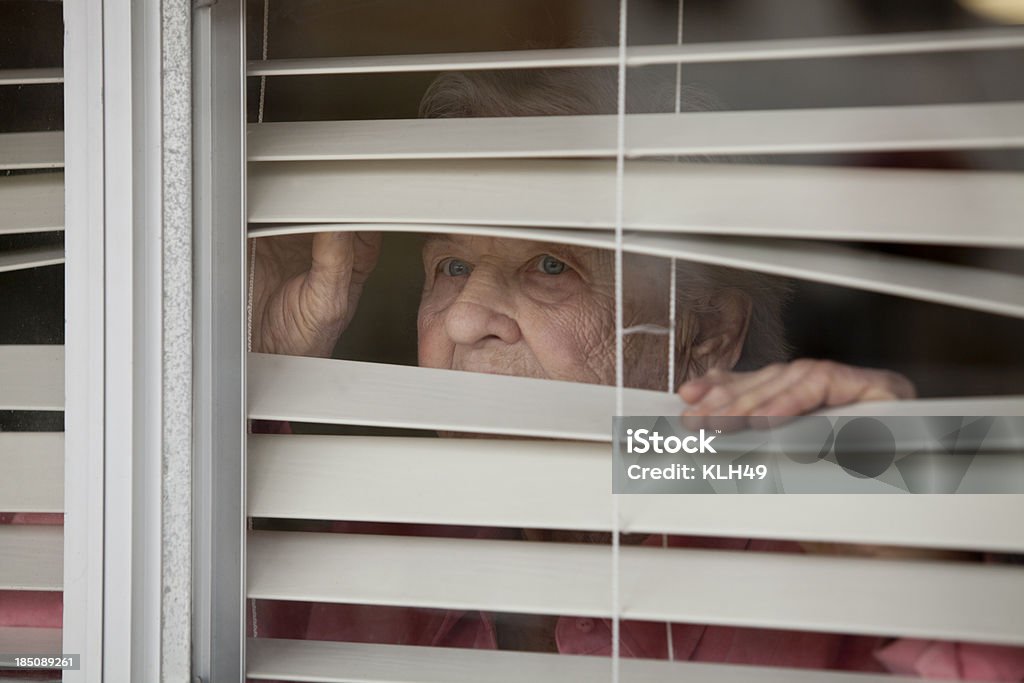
point(129, 339)
point(218, 485)
point(84, 339)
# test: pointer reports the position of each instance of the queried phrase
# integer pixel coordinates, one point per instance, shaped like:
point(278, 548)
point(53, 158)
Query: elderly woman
point(547, 310)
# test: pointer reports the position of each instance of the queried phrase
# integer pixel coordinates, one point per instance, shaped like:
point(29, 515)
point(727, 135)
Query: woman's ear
point(713, 336)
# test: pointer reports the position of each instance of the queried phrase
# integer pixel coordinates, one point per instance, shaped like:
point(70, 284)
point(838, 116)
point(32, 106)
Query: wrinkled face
point(538, 309)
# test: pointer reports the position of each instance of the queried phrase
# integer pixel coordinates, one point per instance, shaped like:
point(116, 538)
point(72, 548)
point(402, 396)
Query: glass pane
point(497, 258)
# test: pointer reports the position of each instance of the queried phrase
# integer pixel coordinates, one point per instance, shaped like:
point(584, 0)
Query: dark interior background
point(31, 301)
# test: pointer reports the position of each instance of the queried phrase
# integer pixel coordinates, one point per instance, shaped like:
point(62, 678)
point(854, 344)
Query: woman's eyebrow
point(436, 241)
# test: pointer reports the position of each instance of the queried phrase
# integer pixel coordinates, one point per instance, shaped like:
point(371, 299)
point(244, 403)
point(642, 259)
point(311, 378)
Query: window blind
point(327, 477)
point(730, 132)
point(304, 660)
point(31, 375)
point(31, 76)
point(554, 179)
point(883, 205)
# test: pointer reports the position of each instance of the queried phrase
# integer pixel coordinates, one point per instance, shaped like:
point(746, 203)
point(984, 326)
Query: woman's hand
point(306, 289)
point(790, 389)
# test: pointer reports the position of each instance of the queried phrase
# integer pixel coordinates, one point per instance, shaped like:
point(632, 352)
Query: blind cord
point(252, 264)
point(672, 273)
point(620, 168)
point(263, 79)
point(672, 327)
point(248, 348)
point(679, 65)
point(672, 298)
point(248, 297)
point(668, 624)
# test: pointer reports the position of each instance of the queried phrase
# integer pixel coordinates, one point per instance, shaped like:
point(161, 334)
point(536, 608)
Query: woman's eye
point(453, 267)
point(551, 266)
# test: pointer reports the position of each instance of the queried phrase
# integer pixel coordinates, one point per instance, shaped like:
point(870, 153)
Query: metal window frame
point(156, 365)
point(128, 306)
point(219, 407)
point(84, 339)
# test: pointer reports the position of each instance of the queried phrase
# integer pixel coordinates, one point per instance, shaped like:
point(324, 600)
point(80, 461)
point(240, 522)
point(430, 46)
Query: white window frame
point(219, 362)
point(155, 170)
point(128, 141)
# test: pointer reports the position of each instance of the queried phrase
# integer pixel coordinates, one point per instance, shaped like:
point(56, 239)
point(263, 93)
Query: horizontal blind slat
point(375, 394)
point(968, 522)
point(30, 640)
point(969, 287)
point(979, 405)
point(645, 55)
point(860, 129)
point(33, 472)
point(512, 483)
point(31, 377)
point(943, 283)
point(31, 150)
point(932, 207)
point(31, 258)
point(945, 600)
point(331, 662)
point(560, 485)
point(32, 203)
point(31, 76)
point(31, 557)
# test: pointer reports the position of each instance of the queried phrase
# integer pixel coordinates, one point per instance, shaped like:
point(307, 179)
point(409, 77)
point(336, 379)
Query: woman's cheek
point(432, 349)
point(595, 332)
point(568, 342)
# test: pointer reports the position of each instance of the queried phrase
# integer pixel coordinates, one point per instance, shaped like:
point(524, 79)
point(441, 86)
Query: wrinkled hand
point(306, 289)
point(789, 389)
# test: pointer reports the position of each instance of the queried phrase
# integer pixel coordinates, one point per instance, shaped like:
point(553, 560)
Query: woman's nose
point(482, 311)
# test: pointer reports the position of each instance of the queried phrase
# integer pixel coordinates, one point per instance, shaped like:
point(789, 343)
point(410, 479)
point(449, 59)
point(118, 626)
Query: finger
point(692, 391)
point(783, 392)
point(697, 390)
point(332, 252)
point(748, 404)
point(734, 393)
point(330, 274)
point(366, 248)
point(716, 409)
point(784, 406)
point(835, 384)
point(807, 393)
point(881, 385)
point(861, 385)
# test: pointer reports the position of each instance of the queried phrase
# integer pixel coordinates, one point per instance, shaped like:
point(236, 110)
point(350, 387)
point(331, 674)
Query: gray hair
point(554, 92)
point(563, 92)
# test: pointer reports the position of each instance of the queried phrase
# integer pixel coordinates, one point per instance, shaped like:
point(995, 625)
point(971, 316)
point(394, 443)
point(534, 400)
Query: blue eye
point(551, 266)
point(455, 268)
